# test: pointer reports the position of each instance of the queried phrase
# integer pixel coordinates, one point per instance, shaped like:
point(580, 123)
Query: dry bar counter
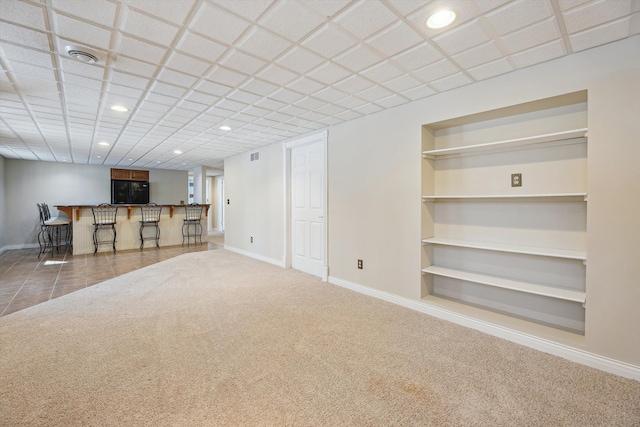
point(128, 226)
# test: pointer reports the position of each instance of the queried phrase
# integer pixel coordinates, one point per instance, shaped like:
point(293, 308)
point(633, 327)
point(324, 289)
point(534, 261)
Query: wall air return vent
point(255, 156)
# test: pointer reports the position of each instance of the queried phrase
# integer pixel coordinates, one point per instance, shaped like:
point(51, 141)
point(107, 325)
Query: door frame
point(287, 147)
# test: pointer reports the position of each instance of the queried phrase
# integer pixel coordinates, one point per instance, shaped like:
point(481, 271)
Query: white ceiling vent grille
point(255, 156)
point(82, 54)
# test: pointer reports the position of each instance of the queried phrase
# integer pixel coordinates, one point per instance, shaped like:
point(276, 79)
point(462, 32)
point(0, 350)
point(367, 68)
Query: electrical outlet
point(251, 239)
point(516, 180)
point(360, 264)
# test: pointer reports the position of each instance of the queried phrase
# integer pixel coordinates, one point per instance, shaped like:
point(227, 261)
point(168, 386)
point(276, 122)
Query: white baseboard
point(573, 354)
point(274, 261)
point(23, 246)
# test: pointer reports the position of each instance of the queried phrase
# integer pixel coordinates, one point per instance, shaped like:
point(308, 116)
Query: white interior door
point(308, 208)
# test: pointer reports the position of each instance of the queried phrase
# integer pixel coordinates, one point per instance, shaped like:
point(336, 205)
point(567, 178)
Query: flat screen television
point(129, 192)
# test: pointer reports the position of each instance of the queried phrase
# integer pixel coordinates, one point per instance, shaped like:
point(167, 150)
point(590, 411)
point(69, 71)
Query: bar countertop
point(69, 209)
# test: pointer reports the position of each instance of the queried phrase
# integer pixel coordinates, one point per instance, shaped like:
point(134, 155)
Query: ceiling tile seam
point(19, 138)
point(493, 36)
point(561, 25)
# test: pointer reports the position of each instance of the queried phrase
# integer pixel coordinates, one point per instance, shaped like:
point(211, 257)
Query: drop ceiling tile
point(491, 69)
point(129, 80)
point(227, 77)
point(350, 102)
point(519, 14)
point(202, 98)
point(478, 55)
point(600, 35)
point(436, 71)
point(461, 38)
point(358, 58)
point(539, 54)
point(26, 83)
point(382, 72)
point(533, 35)
point(402, 83)
point(366, 18)
point(270, 104)
point(125, 91)
point(263, 44)
point(148, 28)
point(329, 73)
point(20, 69)
point(81, 69)
point(218, 24)
point(82, 82)
point(259, 87)
point(168, 89)
point(232, 106)
point(326, 8)
point(597, 13)
point(291, 20)
point(300, 60)
point(276, 74)
point(213, 88)
point(103, 13)
point(82, 33)
point(177, 78)
point(243, 63)
point(392, 101)
point(329, 41)
point(417, 57)
point(140, 50)
point(296, 111)
point(406, 7)
point(24, 36)
point(305, 85)
point(451, 82)
point(27, 56)
point(160, 99)
point(396, 39)
point(418, 92)
point(187, 64)
point(286, 95)
point(374, 93)
point(308, 103)
point(369, 108)
point(242, 96)
point(25, 14)
point(569, 4)
point(485, 6)
point(328, 94)
point(172, 11)
point(354, 84)
point(249, 9)
point(196, 45)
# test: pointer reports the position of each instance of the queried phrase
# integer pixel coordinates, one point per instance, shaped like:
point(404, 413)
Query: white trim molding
point(572, 354)
point(273, 261)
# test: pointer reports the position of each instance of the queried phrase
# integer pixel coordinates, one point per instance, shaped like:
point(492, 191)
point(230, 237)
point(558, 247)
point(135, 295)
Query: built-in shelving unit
point(516, 251)
point(501, 247)
point(574, 135)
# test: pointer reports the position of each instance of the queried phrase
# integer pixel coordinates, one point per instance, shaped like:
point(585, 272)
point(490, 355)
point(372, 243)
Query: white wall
point(3, 204)
point(255, 192)
point(29, 182)
point(374, 187)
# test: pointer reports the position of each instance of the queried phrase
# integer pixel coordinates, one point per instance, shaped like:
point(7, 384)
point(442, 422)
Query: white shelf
point(501, 247)
point(556, 196)
point(530, 288)
point(509, 143)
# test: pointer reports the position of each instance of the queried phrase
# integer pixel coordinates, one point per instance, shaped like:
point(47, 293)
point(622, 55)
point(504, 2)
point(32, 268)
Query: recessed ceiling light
point(157, 161)
point(225, 128)
point(177, 152)
point(99, 157)
point(105, 143)
point(441, 19)
point(119, 108)
point(131, 160)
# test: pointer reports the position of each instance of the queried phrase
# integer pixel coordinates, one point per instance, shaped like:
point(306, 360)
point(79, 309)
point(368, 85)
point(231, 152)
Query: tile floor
point(27, 280)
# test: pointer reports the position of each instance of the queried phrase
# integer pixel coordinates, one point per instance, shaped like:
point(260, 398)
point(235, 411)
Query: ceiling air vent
point(255, 156)
point(82, 54)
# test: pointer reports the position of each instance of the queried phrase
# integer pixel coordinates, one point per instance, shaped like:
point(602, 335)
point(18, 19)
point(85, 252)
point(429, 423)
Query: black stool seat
point(150, 217)
point(104, 219)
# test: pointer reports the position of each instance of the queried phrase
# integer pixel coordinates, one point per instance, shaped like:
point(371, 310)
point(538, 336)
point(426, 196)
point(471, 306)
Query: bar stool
point(150, 217)
point(52, 230)
point(193, 214)
point(104, 218)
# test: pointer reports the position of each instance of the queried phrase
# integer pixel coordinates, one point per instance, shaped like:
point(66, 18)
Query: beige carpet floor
point(217, 339)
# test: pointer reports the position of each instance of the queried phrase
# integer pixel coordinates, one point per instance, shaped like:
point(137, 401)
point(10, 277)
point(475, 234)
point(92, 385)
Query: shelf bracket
point(584, 261)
